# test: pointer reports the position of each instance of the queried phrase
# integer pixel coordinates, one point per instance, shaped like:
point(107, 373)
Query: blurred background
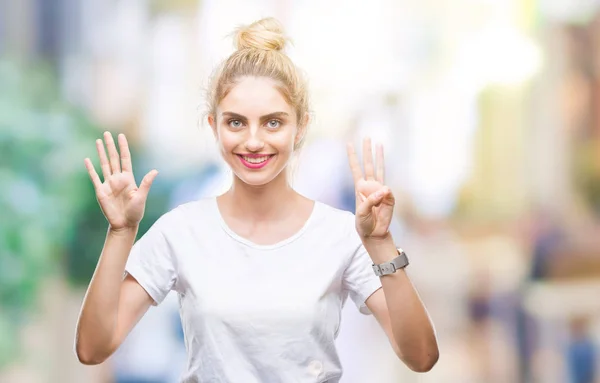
point(489, 111)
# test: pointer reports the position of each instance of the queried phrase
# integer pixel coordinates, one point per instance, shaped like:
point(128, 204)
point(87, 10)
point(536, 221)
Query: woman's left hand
point(374, 201)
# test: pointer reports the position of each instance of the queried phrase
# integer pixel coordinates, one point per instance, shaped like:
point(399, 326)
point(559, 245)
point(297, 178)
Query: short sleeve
point(151, 262)
point(359, 279)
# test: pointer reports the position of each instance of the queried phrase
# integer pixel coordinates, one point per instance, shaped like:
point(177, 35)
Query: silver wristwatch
point(400, 262)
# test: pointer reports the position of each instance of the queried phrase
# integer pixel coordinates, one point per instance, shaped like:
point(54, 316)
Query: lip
point(250, 165)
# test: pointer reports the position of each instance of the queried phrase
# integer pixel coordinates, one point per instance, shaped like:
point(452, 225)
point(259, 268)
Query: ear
point(213, 125)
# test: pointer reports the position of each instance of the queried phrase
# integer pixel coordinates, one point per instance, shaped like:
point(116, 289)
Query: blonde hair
point(260, 53)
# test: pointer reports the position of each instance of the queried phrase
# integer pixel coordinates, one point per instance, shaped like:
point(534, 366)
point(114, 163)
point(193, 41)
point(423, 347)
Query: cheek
point(226, 139)
point(286, 144)
point(285, 140)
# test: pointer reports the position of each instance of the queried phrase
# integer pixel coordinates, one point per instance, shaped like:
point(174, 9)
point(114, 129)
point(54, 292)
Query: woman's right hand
point(120, 199)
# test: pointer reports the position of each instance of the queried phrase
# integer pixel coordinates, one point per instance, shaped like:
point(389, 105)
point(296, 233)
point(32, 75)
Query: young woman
point(261, 271)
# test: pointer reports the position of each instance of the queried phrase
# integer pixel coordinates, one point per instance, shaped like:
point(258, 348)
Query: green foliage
point(41, 148)
point(50, 221)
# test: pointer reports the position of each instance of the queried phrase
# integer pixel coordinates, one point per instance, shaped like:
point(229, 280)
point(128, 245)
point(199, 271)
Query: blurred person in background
point(582, 356)
point(261, 271)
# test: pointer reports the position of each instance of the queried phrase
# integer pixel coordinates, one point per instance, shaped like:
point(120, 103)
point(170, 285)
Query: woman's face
point(256, 130)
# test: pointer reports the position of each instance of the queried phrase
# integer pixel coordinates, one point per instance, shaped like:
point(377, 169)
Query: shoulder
point(337, 220)
point(333, 214)
point(200, 210)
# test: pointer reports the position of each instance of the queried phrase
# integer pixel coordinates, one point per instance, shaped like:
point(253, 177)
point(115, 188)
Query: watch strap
point(400, 262)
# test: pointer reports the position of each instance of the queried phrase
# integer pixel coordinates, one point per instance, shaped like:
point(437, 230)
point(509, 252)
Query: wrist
point(123, 231)
point(379, 242)
point(381, 249)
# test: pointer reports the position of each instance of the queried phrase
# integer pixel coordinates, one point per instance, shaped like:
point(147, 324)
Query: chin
point(254, 179)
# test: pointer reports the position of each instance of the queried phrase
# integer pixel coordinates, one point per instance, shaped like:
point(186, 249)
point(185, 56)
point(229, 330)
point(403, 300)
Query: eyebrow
point(262, 118)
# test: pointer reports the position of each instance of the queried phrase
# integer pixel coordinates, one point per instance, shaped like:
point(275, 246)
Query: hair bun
point(266, 34)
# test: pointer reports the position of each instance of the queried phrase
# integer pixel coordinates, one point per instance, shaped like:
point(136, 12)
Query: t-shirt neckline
point(276, 245)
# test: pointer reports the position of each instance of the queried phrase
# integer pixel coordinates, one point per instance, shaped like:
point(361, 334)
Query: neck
point(265, 202)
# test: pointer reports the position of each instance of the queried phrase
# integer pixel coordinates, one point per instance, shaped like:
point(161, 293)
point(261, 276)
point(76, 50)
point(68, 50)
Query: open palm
point(120, 199)
point(374, 201)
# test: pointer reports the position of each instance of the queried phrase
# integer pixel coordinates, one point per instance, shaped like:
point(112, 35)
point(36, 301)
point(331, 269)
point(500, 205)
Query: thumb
point(365, 208)
point(147, 182)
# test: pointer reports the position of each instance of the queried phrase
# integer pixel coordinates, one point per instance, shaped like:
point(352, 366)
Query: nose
point(254, 143)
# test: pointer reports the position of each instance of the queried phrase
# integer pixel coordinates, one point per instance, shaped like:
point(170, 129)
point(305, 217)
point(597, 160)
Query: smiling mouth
point(255, 161)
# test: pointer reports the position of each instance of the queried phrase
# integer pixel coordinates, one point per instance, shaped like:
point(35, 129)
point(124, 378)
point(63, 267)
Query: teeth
point(256, 160)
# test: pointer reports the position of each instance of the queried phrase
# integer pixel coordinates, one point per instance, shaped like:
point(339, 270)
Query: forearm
point(411, 326)
point(98, 318)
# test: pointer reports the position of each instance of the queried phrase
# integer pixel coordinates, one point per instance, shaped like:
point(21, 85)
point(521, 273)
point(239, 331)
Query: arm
point(400, 312)
point(397, 306)
point(112, 305)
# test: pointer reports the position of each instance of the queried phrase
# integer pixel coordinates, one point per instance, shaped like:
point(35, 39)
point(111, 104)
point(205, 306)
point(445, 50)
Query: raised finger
point(103, 160)
point(92, 173)
point(113, 155)
point(379, 164)
point(368, 159)
point(354, 164)
point(125, 154)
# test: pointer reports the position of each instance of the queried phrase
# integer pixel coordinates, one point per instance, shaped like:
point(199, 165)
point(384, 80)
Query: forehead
point(255, 96)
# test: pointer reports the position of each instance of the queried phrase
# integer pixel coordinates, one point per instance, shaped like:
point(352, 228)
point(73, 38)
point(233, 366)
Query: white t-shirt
point(256, 313)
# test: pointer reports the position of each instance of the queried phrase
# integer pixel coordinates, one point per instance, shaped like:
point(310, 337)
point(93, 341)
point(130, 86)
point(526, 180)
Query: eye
point(273, 124)
point(235, 124)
